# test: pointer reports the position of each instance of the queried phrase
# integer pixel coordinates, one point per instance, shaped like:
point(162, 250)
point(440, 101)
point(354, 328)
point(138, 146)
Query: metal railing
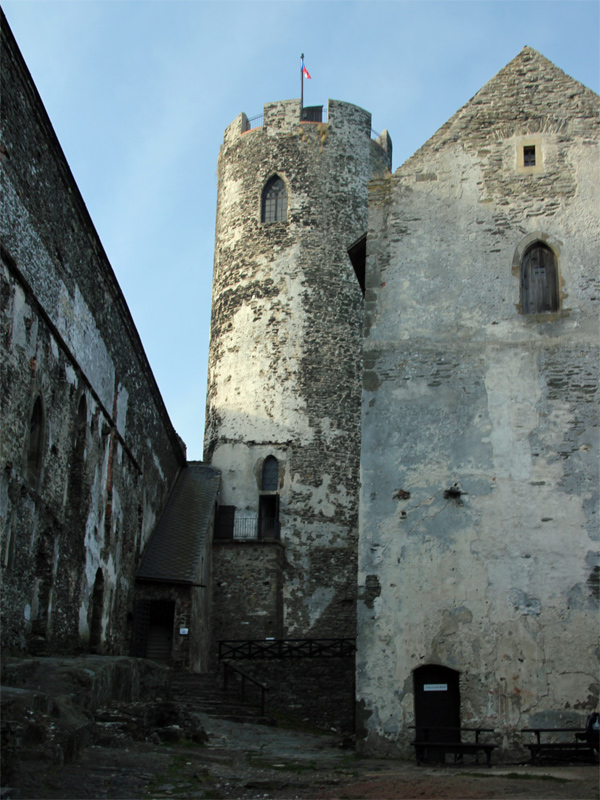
point(247, 528)
point(286, 648)
point(257, 121)
point(230, 670)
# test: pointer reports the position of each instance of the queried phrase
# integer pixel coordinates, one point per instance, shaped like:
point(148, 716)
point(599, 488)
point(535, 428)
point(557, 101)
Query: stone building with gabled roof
point(478, 544)
point(466, 524)
point(173, 580)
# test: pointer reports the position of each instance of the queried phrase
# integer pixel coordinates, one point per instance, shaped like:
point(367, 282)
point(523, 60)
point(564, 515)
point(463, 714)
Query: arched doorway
point(153, 622)
point(97, 609)
point(437, 704)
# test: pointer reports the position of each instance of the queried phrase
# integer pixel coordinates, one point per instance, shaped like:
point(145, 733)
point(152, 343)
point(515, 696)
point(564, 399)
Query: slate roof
point(174, 549)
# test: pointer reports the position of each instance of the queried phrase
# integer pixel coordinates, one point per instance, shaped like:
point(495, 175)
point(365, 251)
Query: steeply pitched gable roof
point(528, 95)
point(174, 549)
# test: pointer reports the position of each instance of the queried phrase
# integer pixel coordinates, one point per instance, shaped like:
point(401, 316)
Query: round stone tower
point(283, 404)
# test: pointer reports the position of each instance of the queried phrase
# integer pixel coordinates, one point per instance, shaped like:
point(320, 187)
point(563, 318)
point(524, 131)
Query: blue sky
point(140, 92)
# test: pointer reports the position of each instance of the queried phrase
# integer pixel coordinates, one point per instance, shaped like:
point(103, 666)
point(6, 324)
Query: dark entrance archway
point(437, 705)
point(153, 622)
point(97, 609)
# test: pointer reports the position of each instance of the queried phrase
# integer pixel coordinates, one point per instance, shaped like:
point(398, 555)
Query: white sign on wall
point(435, 687)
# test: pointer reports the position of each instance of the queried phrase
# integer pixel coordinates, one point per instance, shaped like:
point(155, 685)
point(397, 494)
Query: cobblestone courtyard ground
point(251, 761)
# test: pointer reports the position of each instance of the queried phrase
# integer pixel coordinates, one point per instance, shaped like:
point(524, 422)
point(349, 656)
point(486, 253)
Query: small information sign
point(184, 631)
point(435, 687)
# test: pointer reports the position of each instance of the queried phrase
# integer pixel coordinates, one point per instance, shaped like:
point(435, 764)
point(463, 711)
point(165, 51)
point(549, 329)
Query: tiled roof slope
point(174, 549)
point(530, 94)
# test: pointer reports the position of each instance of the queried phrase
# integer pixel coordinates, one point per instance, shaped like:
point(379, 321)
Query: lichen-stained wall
point(87, 452)
point(284, 364)
point(478, 510)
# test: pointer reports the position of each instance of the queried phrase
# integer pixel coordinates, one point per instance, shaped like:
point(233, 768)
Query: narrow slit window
point(35, 442)
point(529, 155)
point(274, 201)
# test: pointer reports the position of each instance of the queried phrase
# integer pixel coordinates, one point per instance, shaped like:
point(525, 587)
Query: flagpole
point(301, 84)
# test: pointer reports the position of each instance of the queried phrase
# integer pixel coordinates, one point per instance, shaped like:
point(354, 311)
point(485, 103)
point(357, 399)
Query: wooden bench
point(449, 740)
point(578, 746)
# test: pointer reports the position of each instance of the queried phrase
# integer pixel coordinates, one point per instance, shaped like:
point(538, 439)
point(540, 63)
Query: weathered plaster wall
point(284, 364)
point(108, 452)
point(500, 583)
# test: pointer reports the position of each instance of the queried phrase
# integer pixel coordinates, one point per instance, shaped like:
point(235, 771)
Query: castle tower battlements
point(284, 362)
point(285, 115)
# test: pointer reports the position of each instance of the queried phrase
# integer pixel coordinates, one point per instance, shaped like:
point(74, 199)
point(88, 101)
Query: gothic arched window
point(270, 474)
point(35, 442)
point(274, 201)
point(539, 280)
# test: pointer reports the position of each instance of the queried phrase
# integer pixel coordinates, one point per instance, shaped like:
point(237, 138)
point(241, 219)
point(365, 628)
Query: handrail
point(255, 122)
point(245, 677)
point(285, 648)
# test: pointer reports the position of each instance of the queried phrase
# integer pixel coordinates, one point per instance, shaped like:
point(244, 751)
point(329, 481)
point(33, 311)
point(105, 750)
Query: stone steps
point(203, 692)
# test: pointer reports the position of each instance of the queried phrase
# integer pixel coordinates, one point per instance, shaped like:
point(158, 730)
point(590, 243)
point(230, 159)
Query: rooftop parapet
point(284, 115)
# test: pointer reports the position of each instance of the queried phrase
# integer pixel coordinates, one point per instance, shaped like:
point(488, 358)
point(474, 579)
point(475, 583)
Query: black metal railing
point(286, 648)
point(244, 679)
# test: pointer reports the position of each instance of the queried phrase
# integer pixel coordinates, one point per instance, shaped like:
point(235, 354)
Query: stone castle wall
point(284, 364)
point(80, 494)
point(314, 691)
point(246, 601)
point(461, 387)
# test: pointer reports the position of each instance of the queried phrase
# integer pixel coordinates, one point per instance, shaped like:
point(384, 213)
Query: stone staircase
point(204, 692)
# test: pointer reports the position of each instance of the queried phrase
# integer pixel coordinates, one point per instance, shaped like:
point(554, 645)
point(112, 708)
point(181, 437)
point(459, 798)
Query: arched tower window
point(270, 474)
point(35, 442)
point(274, 201)
point(539, 280)
point(268, 504)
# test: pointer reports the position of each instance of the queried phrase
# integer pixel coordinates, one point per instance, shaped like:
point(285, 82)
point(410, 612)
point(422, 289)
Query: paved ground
point(252, 761)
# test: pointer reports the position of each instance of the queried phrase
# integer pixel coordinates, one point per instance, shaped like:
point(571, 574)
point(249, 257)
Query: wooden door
point(539, 280)
point(437, 705)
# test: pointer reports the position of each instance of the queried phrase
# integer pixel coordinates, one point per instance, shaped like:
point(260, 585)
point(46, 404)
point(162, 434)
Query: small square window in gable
point(529, 156)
